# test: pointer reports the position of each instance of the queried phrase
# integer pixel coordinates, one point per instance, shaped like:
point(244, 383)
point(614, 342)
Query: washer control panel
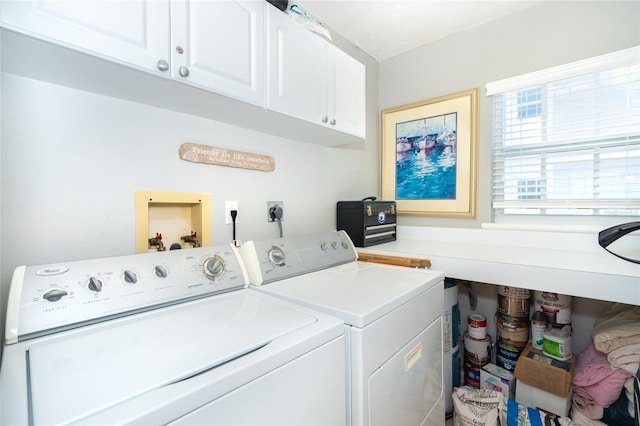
point(47, 298)
point(276, 259)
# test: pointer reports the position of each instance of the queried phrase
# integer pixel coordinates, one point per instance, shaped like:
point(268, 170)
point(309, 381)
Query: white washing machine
point(169, 337)
point(393, 321)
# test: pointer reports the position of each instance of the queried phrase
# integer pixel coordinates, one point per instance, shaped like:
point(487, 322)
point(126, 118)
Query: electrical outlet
point(275, 208)
point(228, 206)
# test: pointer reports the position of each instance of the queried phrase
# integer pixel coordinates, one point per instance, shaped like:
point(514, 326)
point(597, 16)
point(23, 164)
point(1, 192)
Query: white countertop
point(565, 263)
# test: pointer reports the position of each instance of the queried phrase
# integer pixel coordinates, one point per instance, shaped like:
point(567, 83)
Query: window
point(529, 103)
point(566, 141)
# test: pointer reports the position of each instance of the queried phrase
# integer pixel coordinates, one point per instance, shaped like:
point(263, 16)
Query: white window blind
point(566, 140)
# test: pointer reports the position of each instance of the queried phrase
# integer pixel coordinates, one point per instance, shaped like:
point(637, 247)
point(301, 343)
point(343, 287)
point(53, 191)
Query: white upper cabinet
point(346, 101)
point(274, 75)
point(135, 33)
point(311, 79)
point(219, 45)
point(296, 64)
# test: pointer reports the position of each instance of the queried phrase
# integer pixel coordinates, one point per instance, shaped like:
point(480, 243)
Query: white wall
point(546, 34)
point(72, 161)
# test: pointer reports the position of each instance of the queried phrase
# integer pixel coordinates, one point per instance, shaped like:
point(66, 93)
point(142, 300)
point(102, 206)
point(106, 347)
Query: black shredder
point(367, 222)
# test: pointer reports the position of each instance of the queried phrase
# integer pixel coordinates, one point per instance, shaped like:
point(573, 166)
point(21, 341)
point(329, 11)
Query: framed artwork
point(429, 152)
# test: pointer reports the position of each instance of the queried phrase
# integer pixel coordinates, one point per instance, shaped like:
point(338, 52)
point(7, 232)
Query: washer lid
point(357, 292)
point(82, 372)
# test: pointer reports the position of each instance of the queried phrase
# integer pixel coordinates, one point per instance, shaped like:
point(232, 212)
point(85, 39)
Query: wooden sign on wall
point(226, 157)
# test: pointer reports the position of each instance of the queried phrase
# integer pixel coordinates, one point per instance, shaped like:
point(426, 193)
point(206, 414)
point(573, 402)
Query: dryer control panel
point(48, 298)
point(279, 258)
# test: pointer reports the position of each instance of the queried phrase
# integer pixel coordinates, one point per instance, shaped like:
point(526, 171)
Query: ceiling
point(387, 28)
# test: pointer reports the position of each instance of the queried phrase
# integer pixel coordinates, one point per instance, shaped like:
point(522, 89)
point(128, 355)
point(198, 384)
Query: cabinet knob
point(325, 119)
point(163, 65)
point(333, 122)
point(184, 71)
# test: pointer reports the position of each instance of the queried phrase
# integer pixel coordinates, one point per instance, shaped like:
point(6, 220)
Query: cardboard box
point(538, 370)
point(498, 379)
point(537, 398)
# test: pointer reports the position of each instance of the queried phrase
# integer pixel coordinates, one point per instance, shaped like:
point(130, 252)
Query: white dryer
point(170, 337)
point(393, 318)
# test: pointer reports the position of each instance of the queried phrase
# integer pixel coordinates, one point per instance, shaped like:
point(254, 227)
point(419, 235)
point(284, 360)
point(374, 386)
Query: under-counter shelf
point(589, 274)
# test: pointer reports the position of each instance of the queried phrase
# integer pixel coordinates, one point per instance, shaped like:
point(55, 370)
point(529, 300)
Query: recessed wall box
point(367, 222)
point(173, 215)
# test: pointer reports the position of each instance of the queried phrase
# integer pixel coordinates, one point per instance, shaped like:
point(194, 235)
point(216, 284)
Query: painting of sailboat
point(429, 151)
point(426, 158)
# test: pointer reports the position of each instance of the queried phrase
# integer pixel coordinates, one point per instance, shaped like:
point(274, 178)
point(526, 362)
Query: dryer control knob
point(213, 267)
point(161, 271)
point(276, 256)
point(54, 294)
point(130, 276)
point(95, 284)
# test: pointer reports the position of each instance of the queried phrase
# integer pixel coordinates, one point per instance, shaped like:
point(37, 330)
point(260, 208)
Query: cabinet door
point(296, 62)
point(219, 46)
point(346, 92)
point(134, 32)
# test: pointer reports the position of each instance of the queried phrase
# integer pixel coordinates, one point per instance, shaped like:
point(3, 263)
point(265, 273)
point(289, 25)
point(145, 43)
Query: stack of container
point(477, 349)
point(556, 310)
point(512, 325)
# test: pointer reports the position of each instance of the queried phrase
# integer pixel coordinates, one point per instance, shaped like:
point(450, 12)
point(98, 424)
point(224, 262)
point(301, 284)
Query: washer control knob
point(213, 267)
point(95, 284)
point(130, 276)
point(161, 271)
point(334, 244)
point(54, 294)
point(323, 246)
point(276, 256)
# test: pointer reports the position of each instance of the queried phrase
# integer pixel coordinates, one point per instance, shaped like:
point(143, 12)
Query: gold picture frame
point(429, 155)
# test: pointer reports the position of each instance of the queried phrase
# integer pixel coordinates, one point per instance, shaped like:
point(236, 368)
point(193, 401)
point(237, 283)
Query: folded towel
point(616, 327)
point(627, 357)
point(596, 378)
point(583, 402)
point(592, 367)
point(580, 419)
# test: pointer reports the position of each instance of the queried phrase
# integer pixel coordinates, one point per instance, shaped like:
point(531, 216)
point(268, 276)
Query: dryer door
point(404, 390)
